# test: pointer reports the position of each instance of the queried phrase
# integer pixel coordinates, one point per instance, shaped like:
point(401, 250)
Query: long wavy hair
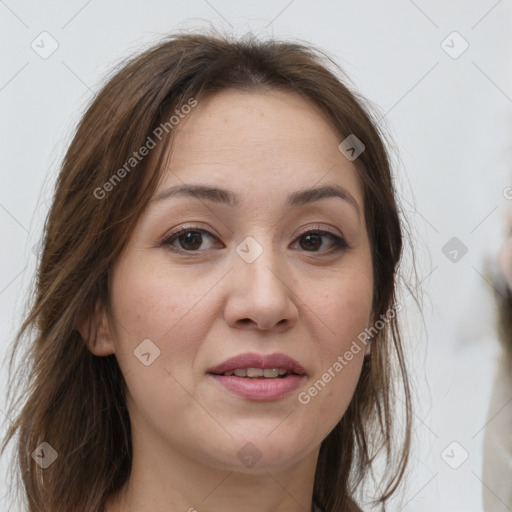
point(62, 394)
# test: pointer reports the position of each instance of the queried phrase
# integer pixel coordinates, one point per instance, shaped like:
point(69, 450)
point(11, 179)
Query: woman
point(216, 300)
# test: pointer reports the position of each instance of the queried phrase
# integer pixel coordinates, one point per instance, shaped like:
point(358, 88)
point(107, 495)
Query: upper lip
point(263, 361)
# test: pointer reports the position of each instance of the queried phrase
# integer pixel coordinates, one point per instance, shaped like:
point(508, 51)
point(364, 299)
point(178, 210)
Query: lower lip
point(260, 389)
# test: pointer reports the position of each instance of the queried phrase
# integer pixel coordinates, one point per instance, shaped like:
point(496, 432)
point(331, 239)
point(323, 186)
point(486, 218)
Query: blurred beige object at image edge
point(497, 456)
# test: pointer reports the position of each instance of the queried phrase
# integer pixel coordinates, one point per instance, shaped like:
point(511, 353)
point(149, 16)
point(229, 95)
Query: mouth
point(258, 373)
point(259, 377)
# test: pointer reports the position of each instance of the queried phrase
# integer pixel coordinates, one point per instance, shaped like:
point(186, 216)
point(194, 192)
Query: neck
point(162, 479)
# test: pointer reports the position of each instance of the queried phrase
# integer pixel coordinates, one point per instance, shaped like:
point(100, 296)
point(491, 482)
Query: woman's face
point(261, 268)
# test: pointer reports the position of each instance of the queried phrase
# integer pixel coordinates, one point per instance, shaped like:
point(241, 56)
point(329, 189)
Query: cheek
point(343, 315)
point(345, 311)
point(152, 302)
point(145, 307)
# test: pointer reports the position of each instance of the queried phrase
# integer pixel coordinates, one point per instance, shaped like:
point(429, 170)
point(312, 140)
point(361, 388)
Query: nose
point(260, 295)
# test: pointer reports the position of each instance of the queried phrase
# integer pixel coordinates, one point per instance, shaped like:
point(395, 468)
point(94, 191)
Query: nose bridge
point(259, 289)
point(260, 262)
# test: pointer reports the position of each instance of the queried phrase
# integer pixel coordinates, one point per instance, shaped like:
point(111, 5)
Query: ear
point(96, 332)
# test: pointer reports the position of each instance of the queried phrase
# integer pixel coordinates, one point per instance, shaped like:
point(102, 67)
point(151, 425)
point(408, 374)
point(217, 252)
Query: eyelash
point(339, 243)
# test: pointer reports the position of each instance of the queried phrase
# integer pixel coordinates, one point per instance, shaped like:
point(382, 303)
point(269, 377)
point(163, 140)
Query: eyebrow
point(230, 198)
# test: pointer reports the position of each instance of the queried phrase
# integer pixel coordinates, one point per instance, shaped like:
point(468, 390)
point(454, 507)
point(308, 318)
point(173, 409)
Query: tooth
point(270, 373)
point(241, 372)
point(254, 372)
point(282, 372)
point(228, 373)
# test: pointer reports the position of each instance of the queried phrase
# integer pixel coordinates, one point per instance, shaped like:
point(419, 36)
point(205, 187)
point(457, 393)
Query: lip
point(259, 389)
point(263, 361)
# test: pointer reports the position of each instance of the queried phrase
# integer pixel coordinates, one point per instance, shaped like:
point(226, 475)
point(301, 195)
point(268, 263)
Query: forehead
point(250, 138)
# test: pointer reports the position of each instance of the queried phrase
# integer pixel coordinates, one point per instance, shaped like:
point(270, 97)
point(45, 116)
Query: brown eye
point(311, 241)
point(189, 239)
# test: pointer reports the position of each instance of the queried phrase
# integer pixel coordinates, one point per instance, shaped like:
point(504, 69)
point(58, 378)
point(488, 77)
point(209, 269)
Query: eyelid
point(186, 227)
point(320, 227)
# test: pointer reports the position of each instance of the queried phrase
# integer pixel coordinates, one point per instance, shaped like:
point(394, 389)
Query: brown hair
point(74, 400)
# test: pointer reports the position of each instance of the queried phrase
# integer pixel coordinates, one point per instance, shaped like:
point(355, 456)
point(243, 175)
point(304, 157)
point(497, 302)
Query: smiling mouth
point(259, 377)
point(258, 373)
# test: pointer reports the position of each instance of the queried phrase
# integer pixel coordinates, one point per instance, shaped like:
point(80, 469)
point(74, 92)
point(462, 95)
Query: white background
point(451, 120)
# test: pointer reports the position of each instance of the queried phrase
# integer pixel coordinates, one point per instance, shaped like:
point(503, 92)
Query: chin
point(258, 453)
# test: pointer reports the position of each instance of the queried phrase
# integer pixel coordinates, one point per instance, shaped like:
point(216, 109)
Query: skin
point(200, 308)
